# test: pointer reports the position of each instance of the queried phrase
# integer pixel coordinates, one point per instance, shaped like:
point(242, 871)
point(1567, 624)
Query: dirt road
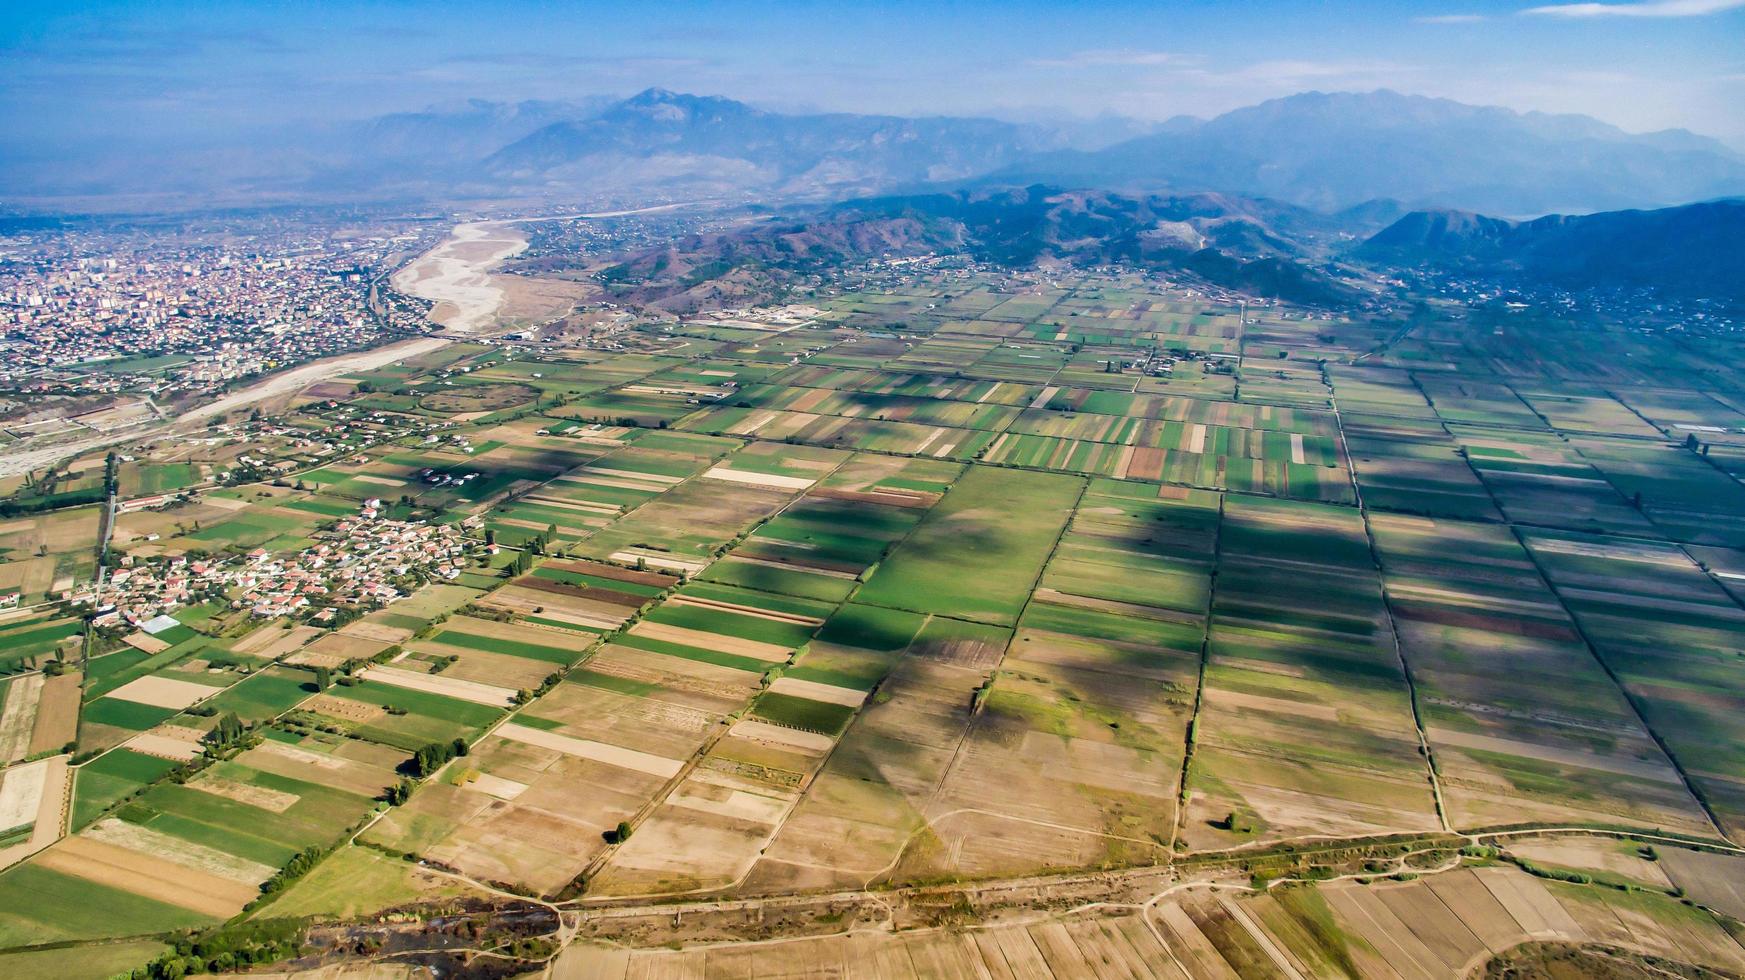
point(283, 383)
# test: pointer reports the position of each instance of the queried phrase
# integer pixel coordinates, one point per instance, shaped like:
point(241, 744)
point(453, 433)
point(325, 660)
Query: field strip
point(1655, 603)
point(163, 692)
point(1157, 613)
point(589, 479)
point(301, 764)
point(758, 479)
point(655, 560)
point(634, 475)
point(1261, 938)
point(768, 652)
point(1238, 699)
point(759, 731)
point(520, 601)
point(739, 805)
point(584, 529)
point(188, 854)
point(1472, 600)
point(502, 789)
point(582, 748)
point(669, 389)
point(376, 631)
point(1297, 449)
point(1044, 395)
point(565, 504)
point(773, 563)
point(18, 717)
point(152, 877)
point(752, 611)
point(411, 680)
point(754, 422)
point(814, 691)
point(50, 812)
point(21, 794)
point(1546, 753)
point(382, 481)
point(57, 712)
point(261, 797)
point(1615, 552)
point(1197, 439)
point(162, 746)
point(223, 503)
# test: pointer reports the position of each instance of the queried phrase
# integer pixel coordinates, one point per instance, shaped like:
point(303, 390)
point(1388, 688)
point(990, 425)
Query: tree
point(228, 730)
point(490, 537)
point(321, 678)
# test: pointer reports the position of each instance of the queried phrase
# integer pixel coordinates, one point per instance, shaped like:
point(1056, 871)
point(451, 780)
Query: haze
point(110, 77)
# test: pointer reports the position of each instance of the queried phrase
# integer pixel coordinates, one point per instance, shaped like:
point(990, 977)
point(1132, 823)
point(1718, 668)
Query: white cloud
point(1450, 19)
point(1109, 57)
point(1648, 8)
point(1295, 73)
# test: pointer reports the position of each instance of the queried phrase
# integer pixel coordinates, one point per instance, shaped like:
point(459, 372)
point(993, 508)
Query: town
point(358, 563)
point(102, 312)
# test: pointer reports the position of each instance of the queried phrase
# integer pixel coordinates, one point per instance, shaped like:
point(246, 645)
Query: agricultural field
point(1306, 722)
point(1419, 647)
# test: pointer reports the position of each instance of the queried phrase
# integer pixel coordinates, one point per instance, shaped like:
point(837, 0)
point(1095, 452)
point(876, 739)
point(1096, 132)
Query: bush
point(226, 948)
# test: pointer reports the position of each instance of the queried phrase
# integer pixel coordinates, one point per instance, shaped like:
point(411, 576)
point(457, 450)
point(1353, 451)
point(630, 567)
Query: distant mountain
point(1364, 159)
point(713, 144)
point(469, 130)
point(1697, 250)
point(1336, 151)
point(1241, 244)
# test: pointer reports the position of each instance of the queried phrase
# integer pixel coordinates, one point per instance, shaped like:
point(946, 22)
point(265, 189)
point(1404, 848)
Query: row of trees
point(435, 755)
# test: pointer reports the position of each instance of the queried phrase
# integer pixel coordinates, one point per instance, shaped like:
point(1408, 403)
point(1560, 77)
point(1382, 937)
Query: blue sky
point(105, 68)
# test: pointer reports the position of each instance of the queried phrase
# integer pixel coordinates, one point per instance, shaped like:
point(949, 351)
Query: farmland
point(941, 584)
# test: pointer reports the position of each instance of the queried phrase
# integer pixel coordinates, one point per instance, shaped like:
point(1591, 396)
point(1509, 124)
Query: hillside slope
point(1697, 250)
point(1237, 243)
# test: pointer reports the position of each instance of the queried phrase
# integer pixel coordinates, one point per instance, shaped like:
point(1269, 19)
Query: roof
point(159, 624)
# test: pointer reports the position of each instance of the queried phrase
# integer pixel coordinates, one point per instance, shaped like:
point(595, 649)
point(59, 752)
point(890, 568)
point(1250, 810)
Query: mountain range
point(1253, 245)
point(1331, 151)
point(1334, 153)
point(1327, 152)
point(712, 144)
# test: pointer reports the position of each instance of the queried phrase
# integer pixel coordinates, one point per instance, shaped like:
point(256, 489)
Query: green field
point(980, 549)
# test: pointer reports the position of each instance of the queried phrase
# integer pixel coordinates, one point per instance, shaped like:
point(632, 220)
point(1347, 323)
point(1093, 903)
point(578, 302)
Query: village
point(357, 563)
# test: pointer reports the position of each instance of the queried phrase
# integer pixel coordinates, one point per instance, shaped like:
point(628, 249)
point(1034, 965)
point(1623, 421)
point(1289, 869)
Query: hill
point(1697, 250)
point(1238, 243)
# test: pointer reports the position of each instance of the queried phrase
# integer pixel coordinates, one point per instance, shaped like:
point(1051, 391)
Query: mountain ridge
point(1331, 151)
point(716, 141)
point(1692, 250)
point(1235, 243)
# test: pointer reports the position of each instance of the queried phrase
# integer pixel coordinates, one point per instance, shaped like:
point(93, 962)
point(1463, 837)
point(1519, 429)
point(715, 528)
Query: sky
point(133, 70)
